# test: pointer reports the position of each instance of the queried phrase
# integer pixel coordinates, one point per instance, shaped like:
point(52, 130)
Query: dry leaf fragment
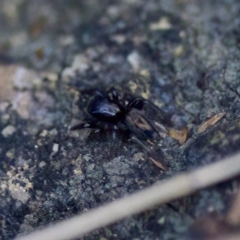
point(161, 129)
point(158, 164)
point(213, 120)
point(180, 135)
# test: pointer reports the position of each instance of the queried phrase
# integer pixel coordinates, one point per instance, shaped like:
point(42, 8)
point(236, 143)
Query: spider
point(134, 117)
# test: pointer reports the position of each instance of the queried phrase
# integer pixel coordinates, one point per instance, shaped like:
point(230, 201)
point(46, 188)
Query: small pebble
point(8, 131)
point(55, 147)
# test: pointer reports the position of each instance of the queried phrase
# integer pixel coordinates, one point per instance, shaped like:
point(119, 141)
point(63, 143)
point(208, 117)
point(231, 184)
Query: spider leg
point(114, 135)
point(113, 94)
point(136, 103)
point(136, 140)
point(112, 144)
point(83, 126)
point(154, 157)
point(139, 104)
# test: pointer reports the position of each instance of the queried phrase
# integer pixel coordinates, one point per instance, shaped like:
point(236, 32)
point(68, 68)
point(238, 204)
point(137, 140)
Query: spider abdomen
point(104, 110)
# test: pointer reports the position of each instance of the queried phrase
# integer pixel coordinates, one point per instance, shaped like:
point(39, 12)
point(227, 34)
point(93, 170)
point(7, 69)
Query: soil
point(54, 55)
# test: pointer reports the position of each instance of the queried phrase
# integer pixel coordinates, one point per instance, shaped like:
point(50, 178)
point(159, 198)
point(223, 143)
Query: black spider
point(137, 117)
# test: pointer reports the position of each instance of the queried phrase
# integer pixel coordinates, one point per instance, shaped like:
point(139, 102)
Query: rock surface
point(181, 55)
